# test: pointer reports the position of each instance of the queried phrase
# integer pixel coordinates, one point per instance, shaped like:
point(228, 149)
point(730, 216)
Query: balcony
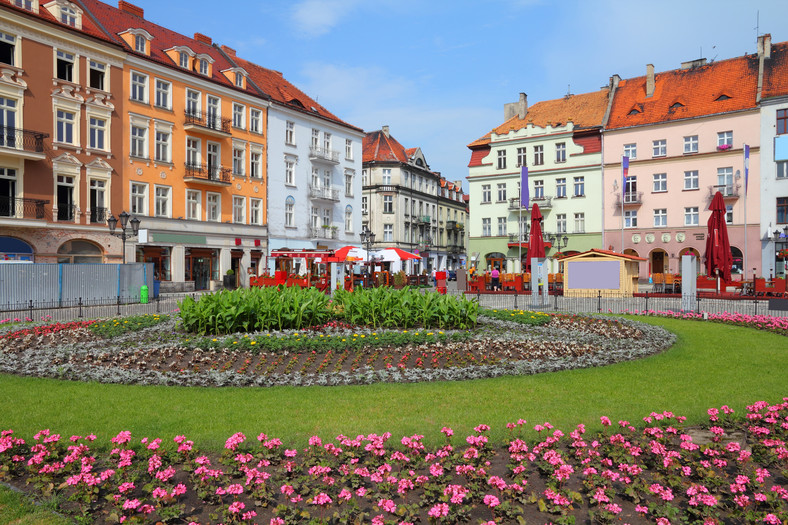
point(729, 191)
point(66, 212)
point(323, 193)
point(22, 143)
point(16, 208)
point(424, 219)
point(323, 154)
point(207, 174)
point(98, 215)
point(521, 238)
point(324, 232)
point(543, 202)
point(451, 225)
point(210, 124)
point(456, 248)
point(634, 198)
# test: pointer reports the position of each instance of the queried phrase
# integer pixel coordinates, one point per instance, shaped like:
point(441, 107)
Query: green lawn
point(712, 364)
point(18, 509)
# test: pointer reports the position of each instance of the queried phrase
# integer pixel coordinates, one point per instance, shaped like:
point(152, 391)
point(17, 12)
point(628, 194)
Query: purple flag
point(746, 166)
point(624, 172)
point(525, 194)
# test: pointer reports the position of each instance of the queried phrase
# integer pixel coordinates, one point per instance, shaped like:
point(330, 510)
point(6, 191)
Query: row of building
point(104, 113)
point(687, 133)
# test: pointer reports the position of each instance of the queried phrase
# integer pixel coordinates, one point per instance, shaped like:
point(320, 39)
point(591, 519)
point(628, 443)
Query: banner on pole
point(624, 173)
point(746, 166)
point(525, 195)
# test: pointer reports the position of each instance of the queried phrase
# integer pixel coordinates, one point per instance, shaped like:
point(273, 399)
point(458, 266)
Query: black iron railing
point(22, 139)
point(23, 208)
point(66, 212)
point(98, 215)
point(212, 121)
point(207, 172)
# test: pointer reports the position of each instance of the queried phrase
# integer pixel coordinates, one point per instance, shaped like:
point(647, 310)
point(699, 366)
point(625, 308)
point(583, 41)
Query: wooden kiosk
point(588, 273)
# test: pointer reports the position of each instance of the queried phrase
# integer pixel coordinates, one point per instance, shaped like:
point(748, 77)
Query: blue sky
point(438, 72)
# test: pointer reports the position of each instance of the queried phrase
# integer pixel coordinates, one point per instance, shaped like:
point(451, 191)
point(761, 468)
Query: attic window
point(677, 105)
point(723, 97)
point(239, 80)
point(633, 111)
point(296, 102)
point(184, 59)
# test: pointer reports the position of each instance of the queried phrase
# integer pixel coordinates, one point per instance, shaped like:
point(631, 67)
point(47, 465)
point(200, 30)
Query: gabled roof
point(117, 21)
point(381, 147)
point(586, 110)
point(595, 252)
point(89, 26)
point(775, 72)
point(709, 89)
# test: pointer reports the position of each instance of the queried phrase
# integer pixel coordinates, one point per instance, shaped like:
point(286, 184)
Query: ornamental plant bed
point(655, 472)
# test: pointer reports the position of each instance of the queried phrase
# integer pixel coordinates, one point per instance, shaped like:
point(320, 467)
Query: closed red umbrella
point(535, 242)
point(718, 249)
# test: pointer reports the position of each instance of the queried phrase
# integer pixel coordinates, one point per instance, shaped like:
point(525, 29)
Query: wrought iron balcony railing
point(66, 212)
point(21, 208)
point(22, 139)
point(208, 173)
point(98, 215)
point(211, 121)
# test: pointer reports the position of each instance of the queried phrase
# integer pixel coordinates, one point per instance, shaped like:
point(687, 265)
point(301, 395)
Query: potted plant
point(783, 254)
point(400, 279)
point(229, 280)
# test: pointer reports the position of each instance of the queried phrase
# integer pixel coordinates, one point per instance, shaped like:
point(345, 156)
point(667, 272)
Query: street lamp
point(558, 241)
point(367, 239)
point(112, 222)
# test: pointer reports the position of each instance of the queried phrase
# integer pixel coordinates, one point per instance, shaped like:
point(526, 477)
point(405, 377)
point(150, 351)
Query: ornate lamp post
point(558, 241)
point(112, 222)
point(367, 239)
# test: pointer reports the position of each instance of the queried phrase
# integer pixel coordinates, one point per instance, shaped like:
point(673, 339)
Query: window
point(327, 142)
point(203, 66)
point(239, 112)
point(501, 226)
point(486, 227)
point(163, 94)
point(560, 188)
point(580, 222)
point(631, 189)
point(349, 186)
point(162, 146)
point(97, 131)
point(65, 127)
point(139, 147)
point(239, 210)
point(68, 16)
point(691, 216)
point(290, 133)
point(521, 157)
point(782, 170)
point(388, 232)
point(213, 105)
point(348, 149)
point(139, 43)
point(213, 159)
point(502, 159)
point(289, 172)
point(501, 192)
point(183, 59)
point(7, 49)
point(326, 217)
point(580, 187)
point(660, 218)
point(255, 120)
point(560, 152)
point(660, 148)
point(691, 180)
point(725, 181)
point(386, 176)
point(193, 207)
point(725, 139)
point(24, 4)
point(256, 211)
point(239, 161)
point(139, 87)
point(660, 182)
point(538, 189)
point(348, 218)
point(388, 204)
point(364, 208)
point(782, 210)
point(560, 223)
point(691, 144)
point(630, 219)
point(486, 194)
point(162, 205)
point(96, 73)
point(782, 120)
point(65, 66)
point(631, 151)
point(213, 208)
point(193, 147)
point(139, 198)
point(729, 214)
point(538, 155)
point(192, 102)
point(256, 165)
point(239, 80)
point(315, 138)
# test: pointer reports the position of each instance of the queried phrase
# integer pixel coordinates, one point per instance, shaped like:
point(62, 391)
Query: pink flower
point(642, 509)
point(491, 501)
point(439, 510)
point(236, 507)
point(605, 421)
point(322, 499)
point(613, 508)
point(771, 519)
point(387, 505)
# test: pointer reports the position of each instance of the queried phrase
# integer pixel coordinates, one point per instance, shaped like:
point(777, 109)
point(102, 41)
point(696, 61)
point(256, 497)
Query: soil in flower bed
point(730, 471)
point(160, 354)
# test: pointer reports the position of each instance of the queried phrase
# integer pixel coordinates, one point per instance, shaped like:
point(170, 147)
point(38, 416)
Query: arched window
point(12, 249)
point(738, 260)
point(79, 252)
point(349, 218)
point(289, 211)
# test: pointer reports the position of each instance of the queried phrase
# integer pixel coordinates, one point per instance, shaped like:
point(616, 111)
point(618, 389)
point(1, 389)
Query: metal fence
point(63, 285)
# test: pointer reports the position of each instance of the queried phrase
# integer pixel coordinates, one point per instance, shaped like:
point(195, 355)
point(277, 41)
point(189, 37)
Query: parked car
point(451, 275)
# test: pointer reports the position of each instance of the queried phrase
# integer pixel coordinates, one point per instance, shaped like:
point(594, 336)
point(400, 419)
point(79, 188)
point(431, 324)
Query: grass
point(19, 509)
point(711, 364)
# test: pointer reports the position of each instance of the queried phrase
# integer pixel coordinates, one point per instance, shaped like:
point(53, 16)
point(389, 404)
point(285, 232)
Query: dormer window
point(723, 97)
point(137, 39)
point(239, 80)
point(139, 44)
point(676, 105)
point(183, 59)
point(68, 16)
point(633, 111)
point(203, 66)
point(62, 10)
point(25, 4)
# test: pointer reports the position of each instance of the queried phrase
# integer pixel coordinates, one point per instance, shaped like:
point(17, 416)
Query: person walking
point(495, 277)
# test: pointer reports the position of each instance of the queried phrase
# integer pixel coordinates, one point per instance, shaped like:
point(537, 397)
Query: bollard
point(80, 307)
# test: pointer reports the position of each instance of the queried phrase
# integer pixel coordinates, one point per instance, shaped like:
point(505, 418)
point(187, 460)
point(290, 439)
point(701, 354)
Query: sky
point(438, 72)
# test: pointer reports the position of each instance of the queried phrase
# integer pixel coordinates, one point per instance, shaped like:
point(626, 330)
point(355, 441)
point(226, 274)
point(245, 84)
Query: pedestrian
point(495, 276)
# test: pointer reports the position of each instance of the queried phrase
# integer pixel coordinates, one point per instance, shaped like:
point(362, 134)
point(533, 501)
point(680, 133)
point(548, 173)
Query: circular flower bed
point(151, 350)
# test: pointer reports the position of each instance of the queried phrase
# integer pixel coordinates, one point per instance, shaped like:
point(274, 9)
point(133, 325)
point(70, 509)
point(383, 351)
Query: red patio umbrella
point(395, 254)
point(718, 249)
point(535, 242)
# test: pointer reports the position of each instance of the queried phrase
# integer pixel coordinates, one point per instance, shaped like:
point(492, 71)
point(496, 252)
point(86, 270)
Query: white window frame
point(193, 205)
point(239, 209)
point(65, 126)
point(691, 216)
point(501, 159)
point(560, 223)
point(579, 187)
point(660, 218)
point(163, 149)
point(239, 116)
point(290, 133)
point(255, 120)
point(348, 219)
point(538, 189)
point(163, 94)
point(193, 151)
point(725, 138)
point(501, 226)
point(68, 58)
point(96, 130)
point(138, 87)
point(162, 201)
point(290, 212)
point(140, 44)
point(659, 148)
point(630, 219)
point(388, 204)
point(560, 188)
point(580, 222)
point(95, 65)
point(691, 177)
point(256, 211)
point(138, 200)
point(538, 155)
point(691, 144)
point(256, 161)
point(138, 140)
point(239, 160)
point(486, 193)
point(500, 190)
point(660, 183)
point(213, 207)
point(290, 165)
point(560, 152)
point(348, 149)
point(486, 227)
point(631, 151)
point(522, 157)
point(388, 233)
point(193, 102)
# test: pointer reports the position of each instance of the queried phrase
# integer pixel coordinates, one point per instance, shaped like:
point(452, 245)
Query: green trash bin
point(144, 294)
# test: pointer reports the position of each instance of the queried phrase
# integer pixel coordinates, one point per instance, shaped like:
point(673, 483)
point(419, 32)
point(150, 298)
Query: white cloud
point(317, 17)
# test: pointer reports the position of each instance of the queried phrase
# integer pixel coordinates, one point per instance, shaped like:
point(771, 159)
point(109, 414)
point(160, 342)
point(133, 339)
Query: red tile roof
point(89, 27)
point(775, 73)
point(586, 110)
point(379, 147)
point(686, 93)
point(595, 251)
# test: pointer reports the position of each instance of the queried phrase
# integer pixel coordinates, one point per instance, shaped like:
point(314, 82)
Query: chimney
point(131, 9)
point(519, 108)
point(386, 131)
point(614, 80)
point(690, 64)
point(765, 45)
point(199, 37)
point(649, 80)
point(228, 50)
